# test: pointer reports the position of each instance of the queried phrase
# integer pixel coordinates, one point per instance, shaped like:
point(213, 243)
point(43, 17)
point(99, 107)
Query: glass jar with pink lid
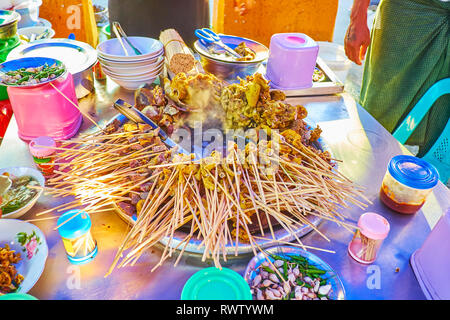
point(43, 150)
point(367, 240)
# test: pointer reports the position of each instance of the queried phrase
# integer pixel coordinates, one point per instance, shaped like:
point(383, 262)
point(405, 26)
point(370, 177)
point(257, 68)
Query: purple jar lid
point(46, 146)
point(293, 41)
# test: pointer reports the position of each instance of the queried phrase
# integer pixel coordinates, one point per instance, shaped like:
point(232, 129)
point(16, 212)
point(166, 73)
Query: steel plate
point(193, 246)
point(338, 291)
point(77, 56)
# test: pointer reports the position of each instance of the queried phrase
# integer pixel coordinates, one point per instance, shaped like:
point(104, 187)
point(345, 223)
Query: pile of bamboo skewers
point(218, 199)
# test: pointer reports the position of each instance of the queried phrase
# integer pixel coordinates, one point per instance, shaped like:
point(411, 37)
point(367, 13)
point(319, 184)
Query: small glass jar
point(75, 230)
point(407, 183)
point(43, 151)
point(367, 240)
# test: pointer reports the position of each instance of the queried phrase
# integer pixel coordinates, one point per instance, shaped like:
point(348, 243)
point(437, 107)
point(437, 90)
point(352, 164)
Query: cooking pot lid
point(77, 56)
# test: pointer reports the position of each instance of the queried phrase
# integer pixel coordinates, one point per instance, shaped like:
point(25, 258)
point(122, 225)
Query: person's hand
point(357, 39)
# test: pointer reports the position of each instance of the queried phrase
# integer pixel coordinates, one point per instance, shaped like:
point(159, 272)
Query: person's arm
point(357, 38)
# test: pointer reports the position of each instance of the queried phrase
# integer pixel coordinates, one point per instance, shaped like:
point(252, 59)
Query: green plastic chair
point(439, 154)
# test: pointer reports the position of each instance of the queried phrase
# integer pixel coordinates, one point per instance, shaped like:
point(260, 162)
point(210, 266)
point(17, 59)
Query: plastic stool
point(439, 154)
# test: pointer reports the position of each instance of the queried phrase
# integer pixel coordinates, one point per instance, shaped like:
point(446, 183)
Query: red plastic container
point(5, 116)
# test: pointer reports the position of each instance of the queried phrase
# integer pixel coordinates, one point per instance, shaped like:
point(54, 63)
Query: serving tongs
point(136, 116)
point(120, 34)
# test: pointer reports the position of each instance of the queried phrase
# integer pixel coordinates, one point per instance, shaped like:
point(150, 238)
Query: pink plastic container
point(42, 111)
point(292, 59)
point(366, 242)
point(431, 263)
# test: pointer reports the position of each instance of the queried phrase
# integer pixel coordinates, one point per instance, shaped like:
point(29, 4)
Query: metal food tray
point(193, 246)
point(332, 85)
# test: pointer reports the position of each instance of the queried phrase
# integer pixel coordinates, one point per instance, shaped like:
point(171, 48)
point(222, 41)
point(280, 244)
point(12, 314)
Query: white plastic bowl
point(134, 78)
point(27, 239)
point(112, 49)
point(126, 65)
point(132, 84)
point(135, 72)
point(24, 171)
point(113, 63)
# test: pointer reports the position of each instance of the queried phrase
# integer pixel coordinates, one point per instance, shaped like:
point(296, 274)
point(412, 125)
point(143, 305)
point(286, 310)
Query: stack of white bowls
point(132, 71)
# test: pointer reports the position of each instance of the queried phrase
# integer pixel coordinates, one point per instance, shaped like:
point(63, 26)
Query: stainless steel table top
point(354, 137)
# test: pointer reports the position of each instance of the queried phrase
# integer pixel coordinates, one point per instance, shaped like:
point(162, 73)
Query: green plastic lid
point(17, 296)
point(215, 284)
point(107, 30)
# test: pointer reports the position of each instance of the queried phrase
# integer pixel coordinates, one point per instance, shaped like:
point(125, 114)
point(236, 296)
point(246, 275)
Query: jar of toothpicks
point(74, 226)
point(367, 240)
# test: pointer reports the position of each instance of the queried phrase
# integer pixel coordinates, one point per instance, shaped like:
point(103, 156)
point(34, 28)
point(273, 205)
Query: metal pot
point(227, 69)
point(8, 28)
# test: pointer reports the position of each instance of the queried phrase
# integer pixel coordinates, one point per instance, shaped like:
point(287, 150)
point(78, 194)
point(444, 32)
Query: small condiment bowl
point(24, 171)
point(227, 69)
point(37, 30)
point(101, 16)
